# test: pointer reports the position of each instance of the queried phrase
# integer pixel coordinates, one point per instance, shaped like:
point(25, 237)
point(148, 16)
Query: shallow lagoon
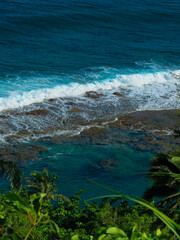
point(74, 163)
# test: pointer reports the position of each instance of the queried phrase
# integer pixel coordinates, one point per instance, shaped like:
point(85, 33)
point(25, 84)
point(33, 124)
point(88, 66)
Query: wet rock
point(9, 157)
point(165, 97)
point(148, 138)
point(148, 120)
point(123, 140)
point(37, 112)
point(177, 133)
point(52, 100)
point(74, 110)
point(4, 116)
point(24, 132)
point(12, 138)
point(118, 94)
point(108, 163)
point(145, 131)
point(93, 135)
point(93, 94)
point(70, 103)
point(52, 108)
point(21, 152)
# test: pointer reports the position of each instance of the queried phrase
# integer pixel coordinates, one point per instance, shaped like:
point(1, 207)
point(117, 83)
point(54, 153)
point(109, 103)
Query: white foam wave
point(16, 100)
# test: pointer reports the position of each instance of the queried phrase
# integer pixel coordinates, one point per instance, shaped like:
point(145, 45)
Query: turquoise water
point(59, 50)
point(73, 164)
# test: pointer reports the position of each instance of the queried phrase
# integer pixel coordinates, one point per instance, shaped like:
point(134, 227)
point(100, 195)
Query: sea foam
point(132, 82)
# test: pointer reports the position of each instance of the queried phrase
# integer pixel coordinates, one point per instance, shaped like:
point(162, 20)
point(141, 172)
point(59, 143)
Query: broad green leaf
point(37, 196)
point(53, 226)
point(176, 160)
point(119, 238)
point(36, 201)
point(2, 215)
point(144, 236)
point(19, 202)
point(109, 237)
point(116, 231)
point(1, 207)
point(75, 237)
point(101, 237)
point(158, 232)
point(169, 222)
point(101, 230)
point(134, 236)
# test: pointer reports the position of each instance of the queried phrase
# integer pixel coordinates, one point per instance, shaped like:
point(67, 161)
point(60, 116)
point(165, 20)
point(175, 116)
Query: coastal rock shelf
point(142, 130)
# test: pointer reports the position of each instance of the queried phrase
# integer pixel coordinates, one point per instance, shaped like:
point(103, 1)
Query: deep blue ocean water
point(46, 44)
point(62, 49)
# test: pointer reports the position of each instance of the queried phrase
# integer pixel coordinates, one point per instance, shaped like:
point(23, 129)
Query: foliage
point(32, 217)
point(31, 214)
point(174, 227)
point(165, 177)
point(12, 172)
point(42, 182)
point(109, 212)
point(115, 233)
point(19, 217)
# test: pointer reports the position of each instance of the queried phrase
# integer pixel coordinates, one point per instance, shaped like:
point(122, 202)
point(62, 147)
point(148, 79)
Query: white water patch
point(153, 84)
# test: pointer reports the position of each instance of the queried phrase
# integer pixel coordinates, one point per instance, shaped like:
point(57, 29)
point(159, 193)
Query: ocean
point(82, 63)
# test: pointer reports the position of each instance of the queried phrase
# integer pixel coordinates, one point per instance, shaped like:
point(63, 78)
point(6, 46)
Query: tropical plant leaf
point(12, 172)
point(174, 227)
point(53, 226)
point(75, 237)
point(59, 197)
point(42, 182)
point(36, 201)
point(18, 201)
point(116, 231)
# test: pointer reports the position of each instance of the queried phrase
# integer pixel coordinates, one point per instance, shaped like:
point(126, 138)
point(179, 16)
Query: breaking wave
point(135, 83)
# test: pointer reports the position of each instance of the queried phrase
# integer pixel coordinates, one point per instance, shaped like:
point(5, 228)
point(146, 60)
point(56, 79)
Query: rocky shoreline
point(142, 130)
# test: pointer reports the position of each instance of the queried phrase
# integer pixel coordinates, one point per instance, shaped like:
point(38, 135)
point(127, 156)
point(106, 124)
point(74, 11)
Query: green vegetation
point(165, 177)
point(42, 182)
point(36, 212)
point(11, 171)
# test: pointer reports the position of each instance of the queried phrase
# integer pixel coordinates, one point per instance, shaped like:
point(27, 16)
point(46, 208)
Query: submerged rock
point(70, 103)
point(52, 108)
point(148, 120)
point(93, 94)
point(74, 110)
point(92, 135)
point(21, 152)
point(108, 163)
point(37, 112)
